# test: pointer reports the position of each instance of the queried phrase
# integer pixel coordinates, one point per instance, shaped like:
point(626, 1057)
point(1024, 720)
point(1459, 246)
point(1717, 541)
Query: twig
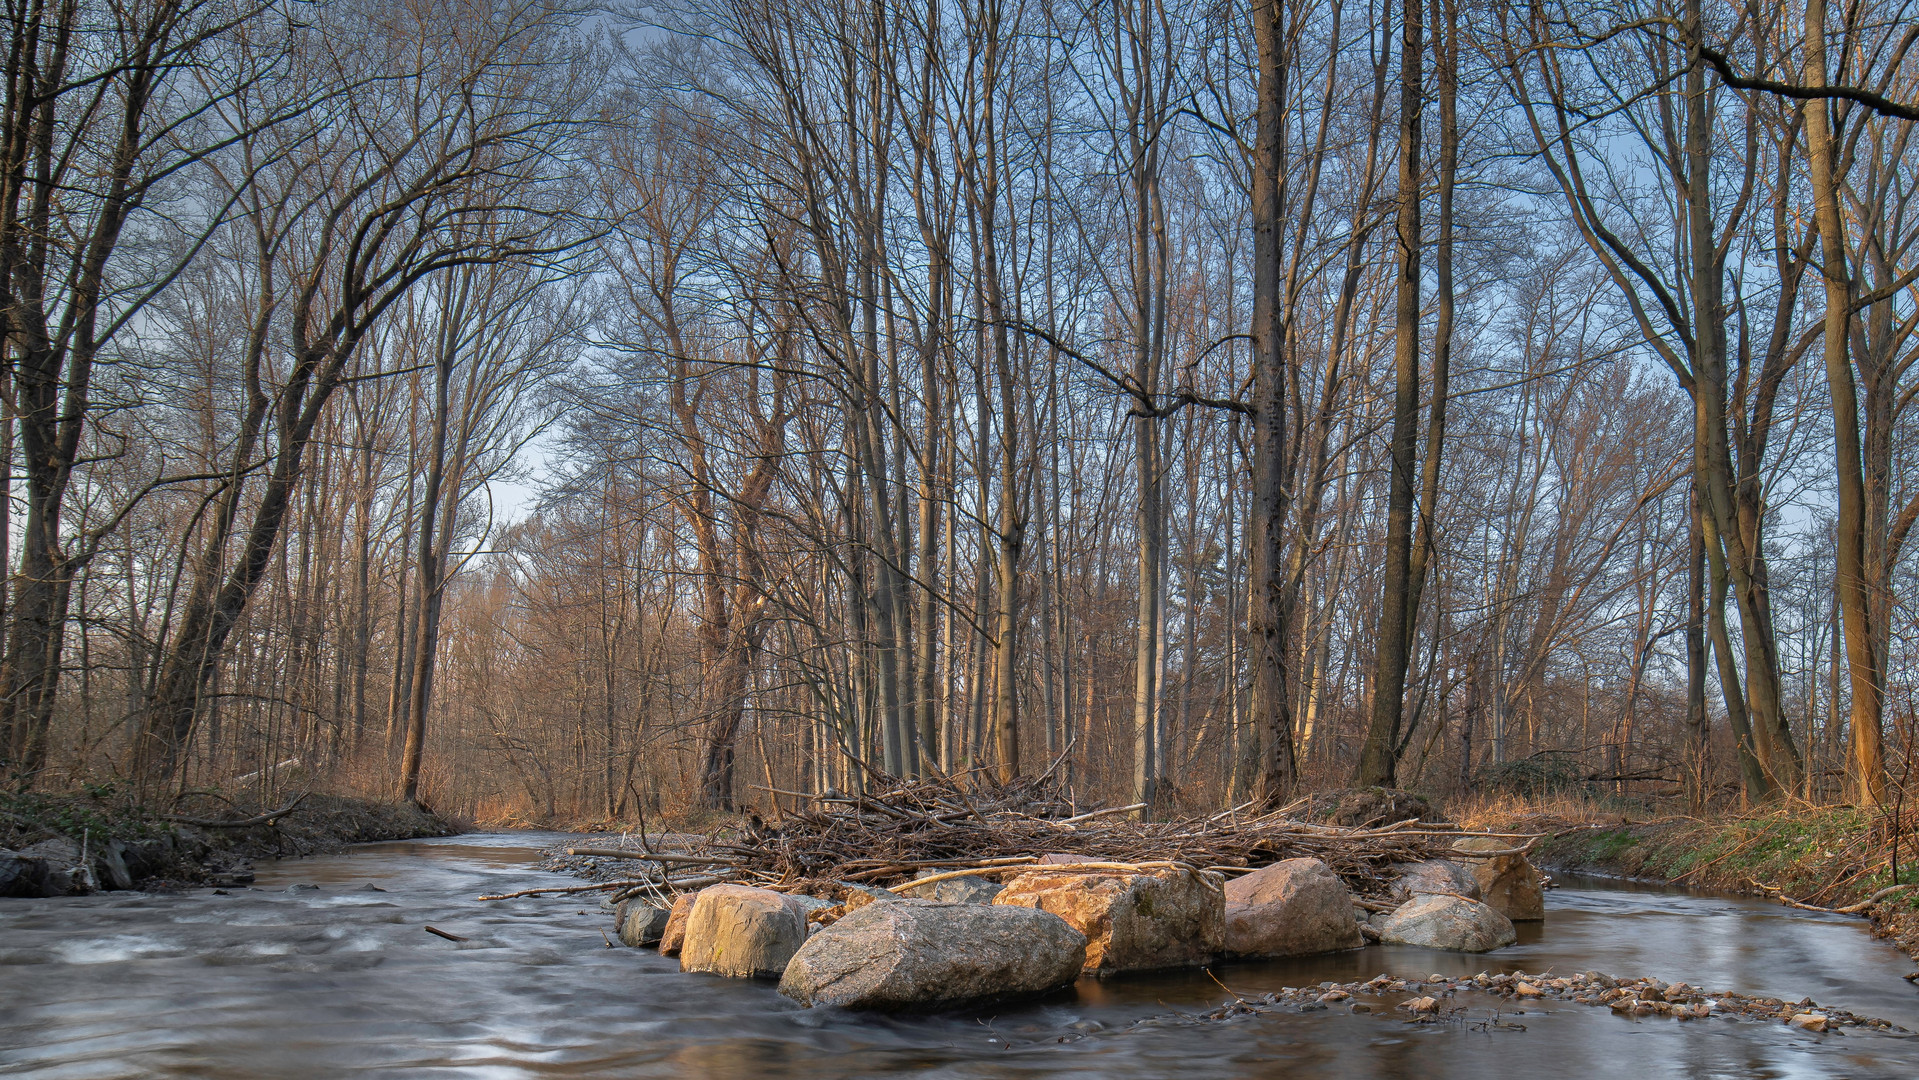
point(437, 932)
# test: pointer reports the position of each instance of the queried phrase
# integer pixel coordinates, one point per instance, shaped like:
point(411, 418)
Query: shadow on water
point(341, 980)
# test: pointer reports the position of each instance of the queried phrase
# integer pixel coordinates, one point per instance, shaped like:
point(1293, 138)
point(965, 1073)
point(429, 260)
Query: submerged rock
point(1507, 883)
point(1131, 921)
point(922, 954)
point(1292, 908)
point(742, 932)
point(1448, 922)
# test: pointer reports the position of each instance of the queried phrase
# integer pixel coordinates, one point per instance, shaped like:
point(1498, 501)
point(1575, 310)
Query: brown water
point(341, 980)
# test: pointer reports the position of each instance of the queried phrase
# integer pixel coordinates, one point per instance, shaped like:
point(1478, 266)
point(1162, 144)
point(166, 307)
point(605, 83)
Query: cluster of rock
point(59, 867)
point(1439, 998)
point(964, 938)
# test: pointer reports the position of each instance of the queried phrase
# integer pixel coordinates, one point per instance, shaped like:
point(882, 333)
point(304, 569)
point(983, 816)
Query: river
point(287, 980)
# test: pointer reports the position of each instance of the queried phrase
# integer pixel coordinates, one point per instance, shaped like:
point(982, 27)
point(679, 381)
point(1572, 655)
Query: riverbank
point(117, 842)
point(1828, 858)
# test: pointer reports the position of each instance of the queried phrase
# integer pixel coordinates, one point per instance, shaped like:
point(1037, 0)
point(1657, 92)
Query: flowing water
point(285, 980)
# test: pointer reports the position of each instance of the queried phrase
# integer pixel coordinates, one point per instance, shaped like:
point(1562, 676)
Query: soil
point(186, 845)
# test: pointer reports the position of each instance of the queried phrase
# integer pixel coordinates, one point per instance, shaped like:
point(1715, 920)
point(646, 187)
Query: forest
point(548, 412)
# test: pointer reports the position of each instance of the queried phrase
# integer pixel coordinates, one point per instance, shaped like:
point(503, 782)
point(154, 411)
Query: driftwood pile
point(920, 829)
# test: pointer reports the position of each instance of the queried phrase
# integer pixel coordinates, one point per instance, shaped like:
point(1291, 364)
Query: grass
point(1829, 856)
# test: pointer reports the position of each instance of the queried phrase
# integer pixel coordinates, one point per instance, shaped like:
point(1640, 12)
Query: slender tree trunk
point(428, 568)
point(1268, 620)
point(1378, 764)
point(1865, 771)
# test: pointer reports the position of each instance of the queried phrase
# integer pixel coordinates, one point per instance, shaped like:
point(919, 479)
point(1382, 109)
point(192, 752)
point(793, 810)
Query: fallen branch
point(564, 889)
point(437, 932)
point(1104, 813)
point(1859, 908)
point(651, 856)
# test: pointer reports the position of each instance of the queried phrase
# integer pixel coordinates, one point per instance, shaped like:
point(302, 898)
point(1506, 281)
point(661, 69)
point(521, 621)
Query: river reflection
point(342, 980)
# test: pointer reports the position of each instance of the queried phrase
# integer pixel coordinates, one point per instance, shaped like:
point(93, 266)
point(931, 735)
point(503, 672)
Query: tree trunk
point(1865, 768)
point(1378, 764)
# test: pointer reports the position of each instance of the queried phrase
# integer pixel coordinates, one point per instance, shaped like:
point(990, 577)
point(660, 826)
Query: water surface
point(341, 980)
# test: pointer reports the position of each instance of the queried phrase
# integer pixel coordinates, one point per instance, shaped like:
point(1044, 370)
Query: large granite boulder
point(1292, 908)
point(674, 935)
point(1507, 883)
point(1435, 877)
point(1132, 921)
point(1447, 922)
point(742, 932)
point(970, 889)
point(923, 954)
point(641, 922)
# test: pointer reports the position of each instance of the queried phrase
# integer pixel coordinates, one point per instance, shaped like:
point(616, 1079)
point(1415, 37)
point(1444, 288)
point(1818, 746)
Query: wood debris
point(888, 836)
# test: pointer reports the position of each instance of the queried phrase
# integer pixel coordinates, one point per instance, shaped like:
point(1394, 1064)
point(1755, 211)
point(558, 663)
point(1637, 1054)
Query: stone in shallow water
point(674, 935)
point(742, 932)
point(1131, 921)
point(1448, 922)
point(641, 922)
point(923, 954)
point(1507, 883)
point(1296, 907)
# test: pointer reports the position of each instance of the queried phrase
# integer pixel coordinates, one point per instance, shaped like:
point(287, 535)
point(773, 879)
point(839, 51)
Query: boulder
point(110, 865)
point(742, 932)
point(971, 889)
point(1448, 922)
point(1435, 876)
point(1292, 908)
point(32, 877)
point(674, 934)
point(1507, 883)
point(1131, 921)
point(924, 954)
point(641, 922)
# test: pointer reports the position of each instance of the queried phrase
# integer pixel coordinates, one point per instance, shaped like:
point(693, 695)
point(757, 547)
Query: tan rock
point(1507, 883)
point(1131, 921)
point(742, 932)
point(1811, 1021)
point(675, 933)
point(1528, 990)
point(1297, 907)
